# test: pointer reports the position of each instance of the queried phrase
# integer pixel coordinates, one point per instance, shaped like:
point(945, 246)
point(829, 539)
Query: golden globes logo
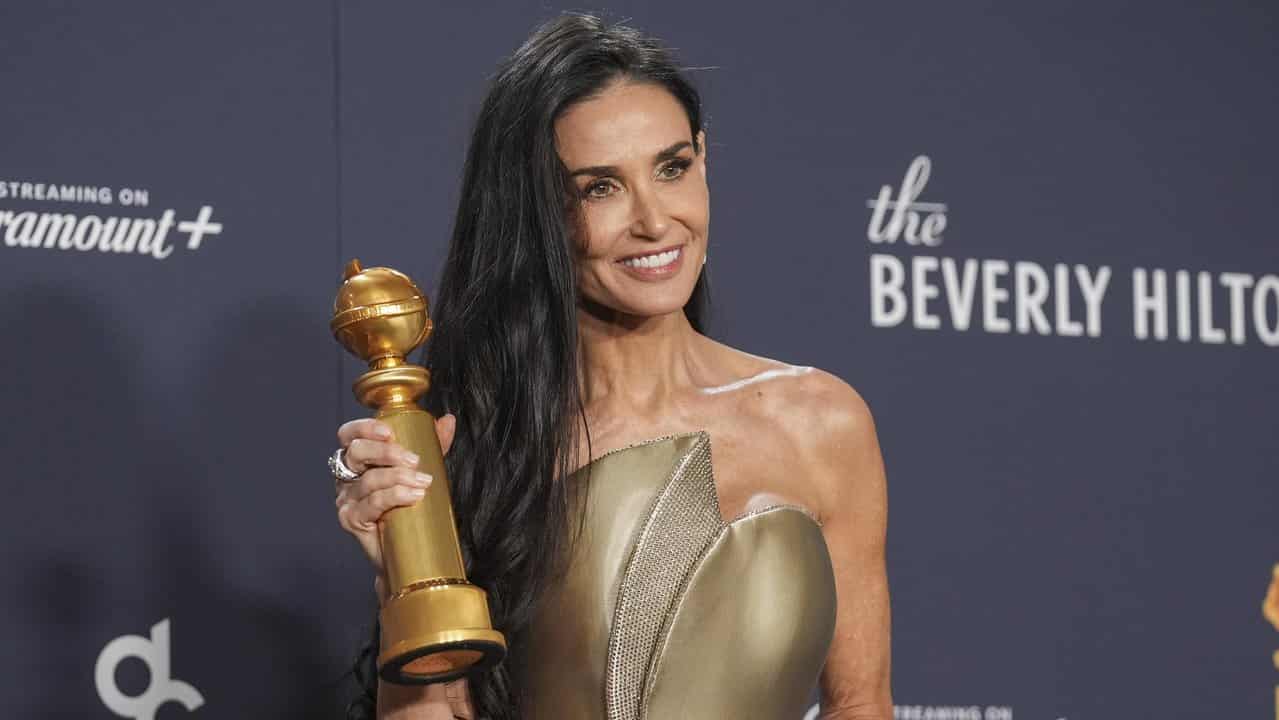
point(1270, 610)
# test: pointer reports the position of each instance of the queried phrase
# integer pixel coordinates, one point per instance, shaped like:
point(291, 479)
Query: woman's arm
point(442, 701)
point(849, 472)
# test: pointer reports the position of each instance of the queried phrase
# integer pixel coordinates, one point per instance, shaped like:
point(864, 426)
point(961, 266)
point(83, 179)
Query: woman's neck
point(635, 365)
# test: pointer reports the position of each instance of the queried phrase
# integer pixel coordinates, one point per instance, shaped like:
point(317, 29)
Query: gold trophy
point(435, 624)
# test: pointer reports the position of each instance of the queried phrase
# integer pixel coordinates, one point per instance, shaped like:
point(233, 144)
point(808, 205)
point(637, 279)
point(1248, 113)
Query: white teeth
point(653, 261)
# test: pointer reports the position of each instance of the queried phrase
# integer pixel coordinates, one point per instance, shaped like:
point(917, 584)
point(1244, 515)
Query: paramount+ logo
point(23, 229)
point(161, 687)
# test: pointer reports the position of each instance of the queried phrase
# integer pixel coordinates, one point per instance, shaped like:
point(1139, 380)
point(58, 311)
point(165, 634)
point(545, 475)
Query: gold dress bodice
point(667, 611)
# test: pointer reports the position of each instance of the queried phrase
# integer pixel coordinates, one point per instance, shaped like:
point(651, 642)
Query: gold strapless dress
point(669, 612)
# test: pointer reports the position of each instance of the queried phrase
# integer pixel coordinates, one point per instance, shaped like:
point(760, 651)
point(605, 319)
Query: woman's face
point(642, 207)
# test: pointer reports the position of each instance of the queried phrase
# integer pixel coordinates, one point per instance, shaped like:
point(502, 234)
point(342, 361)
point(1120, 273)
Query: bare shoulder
point(843, 457)
point(762, 376)
point(804, 417)
point(829, 417)
point(836, 410)
point(824, 426)
point(808, 399)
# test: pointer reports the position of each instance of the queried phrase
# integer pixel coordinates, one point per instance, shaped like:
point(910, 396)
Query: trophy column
point(435, 624)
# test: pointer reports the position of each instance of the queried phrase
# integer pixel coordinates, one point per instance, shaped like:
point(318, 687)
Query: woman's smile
point(655, 265)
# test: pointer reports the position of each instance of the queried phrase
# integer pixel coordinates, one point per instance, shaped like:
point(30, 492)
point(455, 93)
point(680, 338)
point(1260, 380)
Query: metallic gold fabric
point(669, 612)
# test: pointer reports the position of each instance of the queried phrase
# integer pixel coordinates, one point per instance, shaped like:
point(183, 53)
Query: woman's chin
point(643, 308)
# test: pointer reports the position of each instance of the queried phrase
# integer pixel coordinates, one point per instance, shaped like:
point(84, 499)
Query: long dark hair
point(504, 357)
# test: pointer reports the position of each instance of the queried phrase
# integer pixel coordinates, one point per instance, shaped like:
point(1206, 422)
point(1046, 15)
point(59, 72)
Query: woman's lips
point(655, 266)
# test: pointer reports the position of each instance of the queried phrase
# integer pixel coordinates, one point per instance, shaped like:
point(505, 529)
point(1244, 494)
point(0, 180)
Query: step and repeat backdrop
point(1038, 238)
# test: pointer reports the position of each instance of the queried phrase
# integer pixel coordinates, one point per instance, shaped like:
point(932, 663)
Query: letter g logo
point(161, 689)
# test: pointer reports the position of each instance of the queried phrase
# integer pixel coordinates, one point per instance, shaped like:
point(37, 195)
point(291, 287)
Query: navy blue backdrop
point(1038, 239)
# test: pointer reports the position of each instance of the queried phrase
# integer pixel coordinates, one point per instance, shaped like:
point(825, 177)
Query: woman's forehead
point(628, 122)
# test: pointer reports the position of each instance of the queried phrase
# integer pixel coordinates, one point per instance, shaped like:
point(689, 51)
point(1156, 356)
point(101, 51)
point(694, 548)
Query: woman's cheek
point(586, 230)
point(693, 202)
point(601, 225)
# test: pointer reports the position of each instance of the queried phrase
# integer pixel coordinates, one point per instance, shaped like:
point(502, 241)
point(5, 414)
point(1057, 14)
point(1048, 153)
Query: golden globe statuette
point(435, 624)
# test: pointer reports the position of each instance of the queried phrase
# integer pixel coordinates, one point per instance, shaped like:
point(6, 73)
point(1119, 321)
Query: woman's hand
point(388, 479)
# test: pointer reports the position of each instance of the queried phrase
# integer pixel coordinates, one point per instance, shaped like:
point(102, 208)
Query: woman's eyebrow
point(672, 151)
point(663, 155)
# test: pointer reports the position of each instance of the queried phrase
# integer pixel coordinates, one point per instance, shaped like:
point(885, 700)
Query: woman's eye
point(598, 190)
point(674, 169)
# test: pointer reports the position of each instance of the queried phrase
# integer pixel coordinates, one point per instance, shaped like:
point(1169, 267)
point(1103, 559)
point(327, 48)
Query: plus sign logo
point(161, 688)
point(198, 228)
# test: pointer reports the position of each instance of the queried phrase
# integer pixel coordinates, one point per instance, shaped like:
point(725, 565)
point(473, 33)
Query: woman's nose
point(651, 220)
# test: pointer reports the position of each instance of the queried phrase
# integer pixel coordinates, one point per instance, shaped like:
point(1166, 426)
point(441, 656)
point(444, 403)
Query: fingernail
point(382, 431)
point(417, 492)
point(424, 479)
point(412, 458)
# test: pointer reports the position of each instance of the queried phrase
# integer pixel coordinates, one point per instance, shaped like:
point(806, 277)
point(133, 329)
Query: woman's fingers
point(382, 478)
point(364, 453)
point(361, 516)
point(368, 443)
point(445, 428)
point(388, 479)
point(366, 427)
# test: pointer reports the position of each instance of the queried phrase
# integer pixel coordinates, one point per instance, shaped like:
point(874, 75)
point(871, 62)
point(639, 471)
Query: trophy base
point(442, 662)
point(436, 634)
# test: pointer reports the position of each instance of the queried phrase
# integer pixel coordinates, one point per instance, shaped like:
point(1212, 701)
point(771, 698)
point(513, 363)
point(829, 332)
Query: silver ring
point(339, 469)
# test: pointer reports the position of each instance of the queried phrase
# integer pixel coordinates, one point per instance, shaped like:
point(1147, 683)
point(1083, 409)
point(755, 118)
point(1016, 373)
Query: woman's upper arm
point(848, 470)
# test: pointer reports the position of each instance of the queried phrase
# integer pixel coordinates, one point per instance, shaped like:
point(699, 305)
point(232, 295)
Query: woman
point(579, 402)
